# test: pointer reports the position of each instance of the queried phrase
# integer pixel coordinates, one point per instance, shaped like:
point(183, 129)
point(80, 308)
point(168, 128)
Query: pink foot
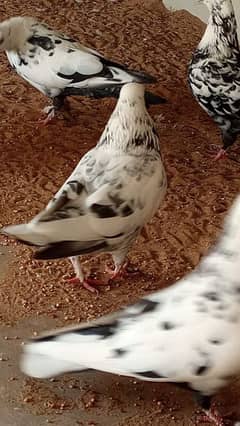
point(50, 115)
point(220, 155)
point(124, 271)
point(212, 416)
point(88, 283)
point(216, 152)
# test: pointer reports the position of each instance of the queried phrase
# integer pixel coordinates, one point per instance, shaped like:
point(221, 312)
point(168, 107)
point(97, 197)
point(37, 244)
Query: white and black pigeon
point(59, 66)
point(114, 190)
point(214, 72)
point(187, 334)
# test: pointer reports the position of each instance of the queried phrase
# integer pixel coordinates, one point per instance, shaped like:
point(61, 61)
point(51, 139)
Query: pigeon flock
point(189, 333)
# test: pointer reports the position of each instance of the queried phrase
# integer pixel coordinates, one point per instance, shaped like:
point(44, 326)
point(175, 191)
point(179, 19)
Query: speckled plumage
point(59, 66)
point(187, 334)
point(214, 72)
point(114, 190)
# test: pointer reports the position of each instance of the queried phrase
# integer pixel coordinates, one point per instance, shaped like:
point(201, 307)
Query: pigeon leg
point(60, 103)
point(118, 271)
point(216, 152)
point(50, 111)
point(220, 155)
point(57, 104)
point(79, 278)
point(211, 414)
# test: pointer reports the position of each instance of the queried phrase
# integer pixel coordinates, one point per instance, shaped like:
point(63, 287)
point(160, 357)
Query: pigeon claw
point(212, 416)
point(124, 271)
point(220, 155)
point(88, 283)
point(50, 111)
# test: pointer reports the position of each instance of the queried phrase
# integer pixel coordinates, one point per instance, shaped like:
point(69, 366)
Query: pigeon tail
point(26, 234)
point(141, 77)
point(69, 350)
point(152, 99)
point(45, 365)
point(62, 249)
point(108, 90)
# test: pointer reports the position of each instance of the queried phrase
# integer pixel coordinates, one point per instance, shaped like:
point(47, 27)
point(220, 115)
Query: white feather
point(123, 174)
point(191, 334)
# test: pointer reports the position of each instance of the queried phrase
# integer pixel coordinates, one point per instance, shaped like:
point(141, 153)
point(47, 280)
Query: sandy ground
point(36, 160)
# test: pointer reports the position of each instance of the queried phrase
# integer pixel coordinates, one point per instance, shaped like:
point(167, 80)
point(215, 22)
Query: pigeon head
point(132, 93)
point(14, 32)
point(223, 7)
point(130, 126)
point(220, 36)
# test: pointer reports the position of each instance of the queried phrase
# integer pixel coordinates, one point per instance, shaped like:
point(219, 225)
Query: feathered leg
point(57, 104)
point(79, 278)
point(228, 140)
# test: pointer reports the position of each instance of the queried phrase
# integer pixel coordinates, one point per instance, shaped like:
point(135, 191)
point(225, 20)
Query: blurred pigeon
point(59, 66)
point(114, 190)
point(214, 72)
point(187, 334)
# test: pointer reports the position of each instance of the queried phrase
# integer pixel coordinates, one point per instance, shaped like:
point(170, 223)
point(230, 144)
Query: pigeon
point(59, 66)
point(187, 334)
point(214, 71)
point(115, 189)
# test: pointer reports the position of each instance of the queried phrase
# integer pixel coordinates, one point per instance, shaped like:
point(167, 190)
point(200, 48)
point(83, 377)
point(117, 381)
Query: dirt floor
point(36, 160)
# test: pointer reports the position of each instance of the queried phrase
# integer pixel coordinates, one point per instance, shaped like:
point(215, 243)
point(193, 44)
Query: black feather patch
point(147, 306)
point(103, 331)
point(202, 369)
point(42, 41)
point(167, 325)
point(119, 352)
point(49, 338)
point(152, 99)
point(103, 211)
point(68, 248)
point(203, 400)
point(150, 375)
point(75, 186)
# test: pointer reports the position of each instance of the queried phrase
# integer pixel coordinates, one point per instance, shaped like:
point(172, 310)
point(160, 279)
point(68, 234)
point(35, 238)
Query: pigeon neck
point(130, 128)
point(220, 37)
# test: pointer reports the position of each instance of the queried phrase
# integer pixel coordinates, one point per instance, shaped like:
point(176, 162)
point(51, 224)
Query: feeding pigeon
point(214, 72)
point(114, 190)
point(187, 334)
point(59, 66)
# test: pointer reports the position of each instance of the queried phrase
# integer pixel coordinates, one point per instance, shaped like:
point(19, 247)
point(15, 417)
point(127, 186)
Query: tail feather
point(152, 99)
point(142, 77)
point(69, 350)
point(69, 248)
point(43, 366)
point(25, 234)
point(111, 91)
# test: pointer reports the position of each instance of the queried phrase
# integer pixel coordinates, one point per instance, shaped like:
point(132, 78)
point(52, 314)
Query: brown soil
point(36, 160)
